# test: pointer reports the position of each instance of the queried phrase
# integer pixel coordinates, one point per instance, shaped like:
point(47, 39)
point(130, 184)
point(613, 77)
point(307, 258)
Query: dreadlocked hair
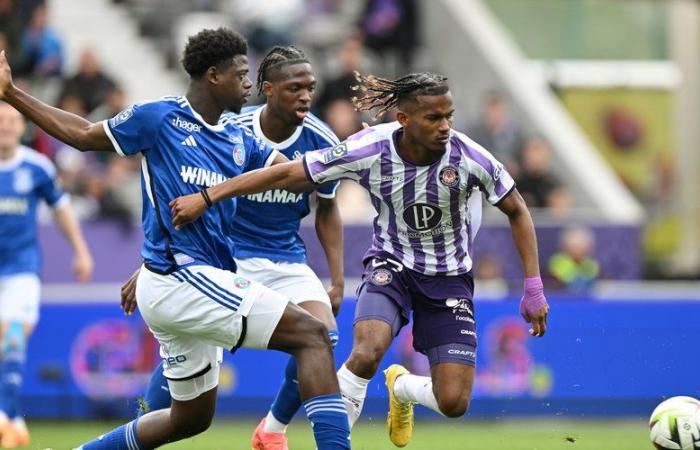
point(382, 94)
point(275, 59)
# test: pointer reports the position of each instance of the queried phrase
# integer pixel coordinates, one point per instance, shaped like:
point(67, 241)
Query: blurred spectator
point(115, 102)
point(498, 132)
point(488, 271)
point(89, 84)
point(573, 267)
point(350, 58)
point(535, 181)
point(343, 119)
point(269, 22)
point(42, 48)
point(391, 25)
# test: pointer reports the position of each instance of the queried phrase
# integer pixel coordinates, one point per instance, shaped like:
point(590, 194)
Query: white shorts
point(19, 298)
point(196, 311)
point(295, 280)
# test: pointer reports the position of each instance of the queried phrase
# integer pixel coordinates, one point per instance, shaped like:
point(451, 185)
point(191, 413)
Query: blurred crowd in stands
point(383, 37)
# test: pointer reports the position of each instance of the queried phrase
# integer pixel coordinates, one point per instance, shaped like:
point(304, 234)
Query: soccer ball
point(675, 424)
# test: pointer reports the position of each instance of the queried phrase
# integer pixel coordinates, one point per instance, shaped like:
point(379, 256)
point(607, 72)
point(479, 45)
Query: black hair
point(211, 48)
point(382, 94)
point(277, 58)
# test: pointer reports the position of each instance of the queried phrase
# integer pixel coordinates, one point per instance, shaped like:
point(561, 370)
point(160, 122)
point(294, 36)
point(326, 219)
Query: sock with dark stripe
point(329, 420)
point(121, 438)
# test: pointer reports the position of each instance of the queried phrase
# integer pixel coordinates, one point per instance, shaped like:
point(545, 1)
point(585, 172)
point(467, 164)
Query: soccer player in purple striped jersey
point(420, 175)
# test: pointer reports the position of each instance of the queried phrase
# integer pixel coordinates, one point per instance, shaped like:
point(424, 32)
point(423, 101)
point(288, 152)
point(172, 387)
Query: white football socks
point(353, 389)
point(273, 425)
point(413, 388)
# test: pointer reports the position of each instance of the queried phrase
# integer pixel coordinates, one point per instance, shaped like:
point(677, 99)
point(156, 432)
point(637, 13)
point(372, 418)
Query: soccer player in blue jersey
point(26, 179)
point(187, 291)
point(268, 247)
point(425, 181)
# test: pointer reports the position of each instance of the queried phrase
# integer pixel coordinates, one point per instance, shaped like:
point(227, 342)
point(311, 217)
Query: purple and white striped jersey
point(426, 216)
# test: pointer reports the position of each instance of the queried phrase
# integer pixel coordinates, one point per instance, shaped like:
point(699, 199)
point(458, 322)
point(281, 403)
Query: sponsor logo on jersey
point(185, 125)
point(276, 196)
point(241, 283)
point(449, 176)
point(467, 332)
point(392, 178)
point(239, 154)
point(422, 216)
point(13, 206)
point(460, 305)
point(464, 319)
point(121, 117)
point(336, 152)
point(497, 171)
point(200, 177)
point(22, 181)
point(232, 138)
point(381, 277)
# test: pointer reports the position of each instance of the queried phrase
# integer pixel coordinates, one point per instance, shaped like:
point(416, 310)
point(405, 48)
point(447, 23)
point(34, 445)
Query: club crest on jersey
point(239, 154)
point(381, 277)
point(336, 152)
point(449, 176)
point(121, 117)
point(22, 181)
point(241, 283)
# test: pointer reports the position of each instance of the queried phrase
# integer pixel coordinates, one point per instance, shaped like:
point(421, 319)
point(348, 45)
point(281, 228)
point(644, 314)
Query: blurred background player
point(187, 291)
point(268, 247)
point(26, 178)
point(420, 174)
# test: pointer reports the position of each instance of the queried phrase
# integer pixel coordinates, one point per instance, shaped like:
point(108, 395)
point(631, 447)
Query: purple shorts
point(443, 312)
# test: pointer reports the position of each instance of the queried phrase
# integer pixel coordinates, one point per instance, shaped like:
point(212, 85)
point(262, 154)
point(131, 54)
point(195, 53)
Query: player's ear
point(267, 88)
point(212, 75)
point(401, 117)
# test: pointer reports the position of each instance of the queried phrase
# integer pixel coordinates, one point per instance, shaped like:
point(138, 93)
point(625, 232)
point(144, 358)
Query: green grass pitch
point(540, 434)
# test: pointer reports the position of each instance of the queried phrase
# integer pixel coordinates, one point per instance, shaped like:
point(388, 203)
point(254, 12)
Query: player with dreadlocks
point(421, 176)
point(269, 249)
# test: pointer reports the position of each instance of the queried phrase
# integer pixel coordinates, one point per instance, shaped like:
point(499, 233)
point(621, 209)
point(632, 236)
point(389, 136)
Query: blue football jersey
point(267, 224)
point(24, 180)
point(182, 154)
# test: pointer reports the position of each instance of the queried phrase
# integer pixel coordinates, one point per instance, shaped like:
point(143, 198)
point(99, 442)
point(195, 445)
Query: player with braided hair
point(421, 176)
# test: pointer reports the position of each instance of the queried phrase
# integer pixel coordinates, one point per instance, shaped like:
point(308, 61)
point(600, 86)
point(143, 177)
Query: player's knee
point(367, 357)
point(193, 423)
point(453, 405)
point(315, 333)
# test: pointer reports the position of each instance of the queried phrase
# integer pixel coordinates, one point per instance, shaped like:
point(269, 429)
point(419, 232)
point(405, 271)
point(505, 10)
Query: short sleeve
point(258, 154)
point(347, 160)
point(49, 187)
point(491, 176)
point(135, 129)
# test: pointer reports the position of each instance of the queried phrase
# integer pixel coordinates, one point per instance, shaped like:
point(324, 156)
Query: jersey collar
point(218, 127)
point(257, 129)
point(12, 162)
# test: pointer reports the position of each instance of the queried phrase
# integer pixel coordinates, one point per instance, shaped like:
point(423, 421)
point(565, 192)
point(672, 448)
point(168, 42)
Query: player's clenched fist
point(187, 209)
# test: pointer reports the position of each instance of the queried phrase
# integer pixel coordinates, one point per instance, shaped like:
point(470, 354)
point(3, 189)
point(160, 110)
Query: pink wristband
point(534, 299)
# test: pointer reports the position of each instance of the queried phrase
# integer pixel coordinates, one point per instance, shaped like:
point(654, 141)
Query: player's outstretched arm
point(290, 176)
point(533, 305)
point(64, 126)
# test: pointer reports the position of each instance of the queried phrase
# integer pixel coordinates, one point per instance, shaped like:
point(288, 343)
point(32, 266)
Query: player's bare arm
point(329, 229)
point(82, 261)
point(290, 175)
point(534, 307)
point(64, 126)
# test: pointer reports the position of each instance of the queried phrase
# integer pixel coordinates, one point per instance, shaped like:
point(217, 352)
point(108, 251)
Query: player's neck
point(203, 104)
point(7, 154)
point(413, 152)
point(274, 128)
